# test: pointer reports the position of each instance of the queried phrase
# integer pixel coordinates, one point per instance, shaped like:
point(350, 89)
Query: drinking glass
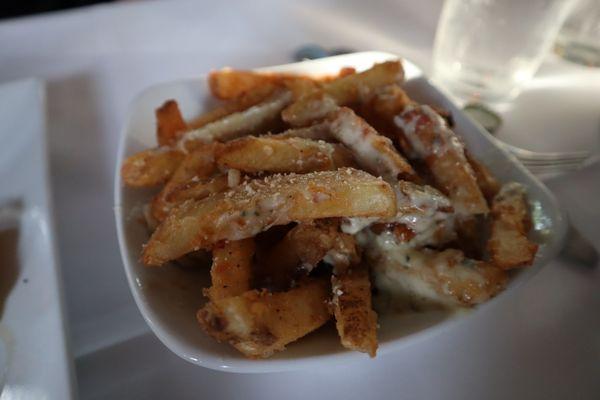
point(579, 38)
point(485, 49)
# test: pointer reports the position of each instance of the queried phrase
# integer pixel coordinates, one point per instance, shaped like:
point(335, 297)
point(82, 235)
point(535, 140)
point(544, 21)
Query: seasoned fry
point(302, 248)
point(251, 208)
point(425, 278)
point(248, 99)
point(150, 167)
point(355, 320)
point(320, 131)
point(251, 120)
point(346, 90)
point(508, 245)
point(199, 164)
point(228, 84)
point(433, 142)
point(169, 123)
point(196, 188)
point(374, 152)
point(230, 272)
point(424, 216)
point(272, 154)
point(259, 323)
point(488, 184)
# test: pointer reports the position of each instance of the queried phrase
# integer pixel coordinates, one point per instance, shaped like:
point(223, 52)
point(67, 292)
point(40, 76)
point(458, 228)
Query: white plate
point(32, 327)
point(168, 298)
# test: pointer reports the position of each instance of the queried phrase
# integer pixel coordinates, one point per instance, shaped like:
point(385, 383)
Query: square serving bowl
point(169, 297)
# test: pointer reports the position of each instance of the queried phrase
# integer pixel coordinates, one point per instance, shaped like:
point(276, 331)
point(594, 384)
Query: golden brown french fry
point(228, 84)
point(254, 119)
point(380, 110)
point(231, 270)
point(259, 323)
point(199, 164)
point(433, 142)
point(355, 320)
point(169, 123)
point(259, 204)
point(302, 248)
point(320, 131)
point(150, 167)
point(372, 151)
point(508, 244)
point(488, 184)
point(346, 90)
point(197, 189)
point(273, 154)
point(424, 277)
point(248, 99)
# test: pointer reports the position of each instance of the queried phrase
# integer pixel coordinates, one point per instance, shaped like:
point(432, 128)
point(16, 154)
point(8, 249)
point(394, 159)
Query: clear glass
point(485, 49)
point(579, 38)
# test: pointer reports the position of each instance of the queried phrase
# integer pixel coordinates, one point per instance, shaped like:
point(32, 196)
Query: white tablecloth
point(543, 342)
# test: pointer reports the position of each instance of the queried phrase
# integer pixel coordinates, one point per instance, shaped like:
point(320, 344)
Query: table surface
point(543, 342)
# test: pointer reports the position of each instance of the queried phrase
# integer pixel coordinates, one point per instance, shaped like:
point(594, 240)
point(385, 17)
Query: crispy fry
point(508, 245)
point(230, 272)
point(228, 84)
point(302, 248)
point(261, 323)
point(320, 131)
point(380, 110)
point(150, 167)
point(199, 164)
point(248, 99)
point(374, 152)
point(432, 141)
point(169, 123)
point(488, 184)
point(197, 189)
point(355, 320)
point(277, 200)
point(346, 90)
point(424, 216)
point(436, 278)
point(273, 154)
point(254, 119)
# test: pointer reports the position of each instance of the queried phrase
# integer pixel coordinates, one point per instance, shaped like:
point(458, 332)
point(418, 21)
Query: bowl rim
point(199, 357)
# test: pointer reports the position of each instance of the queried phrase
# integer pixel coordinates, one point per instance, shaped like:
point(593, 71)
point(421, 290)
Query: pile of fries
point(306, 189)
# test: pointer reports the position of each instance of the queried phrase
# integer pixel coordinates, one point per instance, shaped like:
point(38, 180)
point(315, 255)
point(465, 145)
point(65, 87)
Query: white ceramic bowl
point(168, 298)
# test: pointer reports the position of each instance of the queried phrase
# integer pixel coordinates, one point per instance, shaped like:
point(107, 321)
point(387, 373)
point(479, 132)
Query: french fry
point(380, 110)
point(197, 189)
point(259, 323)
point(199, 164)
point(320, 131)
point(248, 99)
point(355, 320)
point(151, 167)
point(437, 278)
point(228, 84)
point(238, 124)
point(508, 244)
point(231, 270)
point(488, 184)
point(259, 204)
point(433, 142)
point(374, 152)
point(169, 123)
point(273, 154)
point(346, 90)
point(302, 248)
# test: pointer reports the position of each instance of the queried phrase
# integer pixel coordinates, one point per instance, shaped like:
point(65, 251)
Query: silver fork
point(552, 163)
